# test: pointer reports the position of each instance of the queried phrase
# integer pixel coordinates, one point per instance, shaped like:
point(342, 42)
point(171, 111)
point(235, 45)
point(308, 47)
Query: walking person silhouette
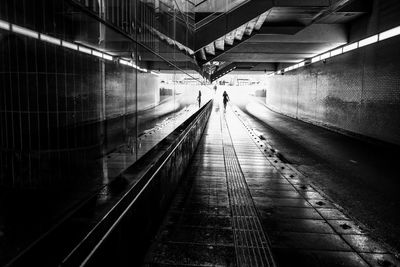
point(199, 98)
point(225, 99)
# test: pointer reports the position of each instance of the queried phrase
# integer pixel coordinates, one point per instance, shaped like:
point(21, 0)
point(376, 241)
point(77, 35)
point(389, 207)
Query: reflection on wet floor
point(304, 227)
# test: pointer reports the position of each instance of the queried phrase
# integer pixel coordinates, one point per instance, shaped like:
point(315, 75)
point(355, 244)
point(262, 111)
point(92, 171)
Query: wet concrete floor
point(360, 176)
point(240, 205)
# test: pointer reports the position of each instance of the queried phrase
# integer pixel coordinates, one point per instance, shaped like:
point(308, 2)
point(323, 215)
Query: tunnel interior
point(117, 115)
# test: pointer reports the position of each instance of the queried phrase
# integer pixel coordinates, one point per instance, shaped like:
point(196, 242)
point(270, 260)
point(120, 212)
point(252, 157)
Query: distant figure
point(215, 89)
point(199, 98)
point(225, 99)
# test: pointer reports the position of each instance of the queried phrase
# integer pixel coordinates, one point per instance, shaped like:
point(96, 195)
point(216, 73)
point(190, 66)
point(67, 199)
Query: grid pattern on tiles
point(65, 102)
point(59, 115)
point(251, 244)
point(197, 229)
point(356, 92)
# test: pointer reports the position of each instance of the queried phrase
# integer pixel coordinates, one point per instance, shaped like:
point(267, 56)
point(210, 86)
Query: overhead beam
point(323, 33)
point(286, 29)
point(241, 66)
point(265, 57)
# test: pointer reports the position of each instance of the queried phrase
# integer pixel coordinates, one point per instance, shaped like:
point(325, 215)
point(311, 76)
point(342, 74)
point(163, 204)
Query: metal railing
point(102, 242)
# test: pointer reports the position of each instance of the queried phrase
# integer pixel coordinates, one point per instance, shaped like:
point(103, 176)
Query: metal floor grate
point(251, 245)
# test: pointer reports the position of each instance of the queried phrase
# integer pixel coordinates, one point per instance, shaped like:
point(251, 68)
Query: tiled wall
point(59, 104)
point(358, 92)
point(61, 109)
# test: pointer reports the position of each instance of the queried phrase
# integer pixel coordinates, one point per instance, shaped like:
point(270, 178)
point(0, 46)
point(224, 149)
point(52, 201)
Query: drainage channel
point(251, 244)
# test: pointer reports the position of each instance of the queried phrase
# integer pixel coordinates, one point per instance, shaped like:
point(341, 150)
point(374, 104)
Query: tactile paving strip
point(251, 244)
point(361, 249)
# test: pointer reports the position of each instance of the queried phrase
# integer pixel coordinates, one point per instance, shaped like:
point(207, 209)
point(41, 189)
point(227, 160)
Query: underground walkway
point(240, 205)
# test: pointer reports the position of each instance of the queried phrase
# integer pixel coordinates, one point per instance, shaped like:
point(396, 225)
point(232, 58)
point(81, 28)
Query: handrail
point(89, 246)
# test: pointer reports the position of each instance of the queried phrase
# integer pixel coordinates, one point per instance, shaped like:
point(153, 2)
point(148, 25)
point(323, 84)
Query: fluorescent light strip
point(389, 33)
point(69, 45)
point(326, 55)
point(316, 59)
point(4, 25)
point(337, 52)
point(125, 62)
point(85, 50)
point(24, 31)
point(368, 41)
point(350, 47)
point(30, 33)
point(108, 57)
point(97, 54)
point(302, 64)
point(50, 39)
point(47, 38)
point(364, 42)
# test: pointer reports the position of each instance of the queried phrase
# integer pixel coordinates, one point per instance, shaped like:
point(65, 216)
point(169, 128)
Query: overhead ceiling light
point(124, 62)
point(368, 41)
point(316, 59)
point(50, 39)
point(301, 64)
point(107, 56)
point(69, 45)
point(350, 47)
point(325, 56)
point(4, 25)
point(97, 54)
point(85, 50)
point(336, 52)
point(24, 31)
point(389, 33)
point(364, 42)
